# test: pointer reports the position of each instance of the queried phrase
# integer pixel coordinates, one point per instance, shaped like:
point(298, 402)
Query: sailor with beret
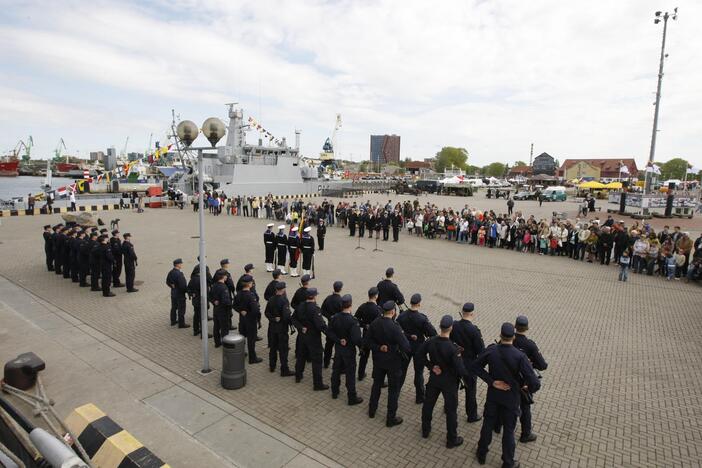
point(130, 262)
point(417, 328)
point(278, 314)
point(440, 356)
point(269, 245)
point(538, 362)
point(390, 347)
point(116, 247)
point(49, 247)
point(330, 307)
point(246, 303)
point(509, 371)
point(281, 241)
point(310, 325)
point(366, 314)
point(179, 287)
point(470, 343)
point(388, 291)
point(345, 333)
point(307, 247)
point(293, 250)
point(221, 299)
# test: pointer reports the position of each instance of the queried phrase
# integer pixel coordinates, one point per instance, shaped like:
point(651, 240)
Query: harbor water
point(22, 185)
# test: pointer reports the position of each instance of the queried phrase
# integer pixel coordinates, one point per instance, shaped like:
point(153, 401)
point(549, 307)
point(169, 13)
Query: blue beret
point(224, 261)
point(468, 307)
point(507, 330)
point(177, 261)
point(305, 278)
point(416, 298)
point(280, 285)
point(522, 321)
point(446, 322)
point(346, 300)
point(311, 292)
point(276, 273)
point(249, 267)
point(373, 291)
point(338, 285)
point(388, 306)
point(246, 279)
point(389, 272)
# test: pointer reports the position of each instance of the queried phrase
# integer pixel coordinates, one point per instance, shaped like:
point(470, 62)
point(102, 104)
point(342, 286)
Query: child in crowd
point(679, 264)
point(481, 236)
point(543, 245)
point(670, 266)
point(410, 227)
point(553, 244)
point(624, 262)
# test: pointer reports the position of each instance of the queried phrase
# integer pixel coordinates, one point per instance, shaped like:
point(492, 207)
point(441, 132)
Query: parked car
point(555, 194)
point(524, 195)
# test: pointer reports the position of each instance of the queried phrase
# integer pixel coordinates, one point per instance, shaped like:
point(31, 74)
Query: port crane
point(57, 152)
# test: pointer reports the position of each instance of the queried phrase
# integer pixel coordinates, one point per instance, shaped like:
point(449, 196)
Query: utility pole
point(531, 154)
point(658, 17)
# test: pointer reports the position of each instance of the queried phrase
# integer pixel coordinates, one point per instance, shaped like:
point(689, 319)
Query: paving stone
point(185, 409)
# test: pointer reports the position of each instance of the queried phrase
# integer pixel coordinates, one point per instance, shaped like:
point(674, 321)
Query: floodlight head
point(213, 129)
point(187, 132)
point(658, 13)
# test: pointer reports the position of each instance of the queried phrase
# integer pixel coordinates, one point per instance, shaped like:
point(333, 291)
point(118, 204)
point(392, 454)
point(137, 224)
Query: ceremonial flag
point(61, 191)
point(624, 169)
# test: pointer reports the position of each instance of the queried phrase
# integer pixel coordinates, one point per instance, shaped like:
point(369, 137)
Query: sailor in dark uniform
point(179, 287)
point(75, 254)
point(362, 220)
point(59, 237)
point(246, 303)
point(385, 224)
point(95, 249)
point(417, 329)
point(445, 369)
point(470, 344)
point(278, 314)
point(210, 280)
point(307, 246)
point(310, 325)
point(321, 232)
point(130, 262)
point(84, 259)
point(538, 362)
point(293, 251)
point(396, 222)
point(346, 335)
point(196, 299)
point(49, 247)
point(389, 347)
point(371, 225)
point(106, 265)
point(388, 291)
point(270, 289)
point(366, 314)
point(66, 252)
point(282, 245)
point(300, 295)
point(229, 282)
point(116, 246)
point(330, 307)
point(269, 244)
point(221, 299)
point(353, 219)
point(509, 371)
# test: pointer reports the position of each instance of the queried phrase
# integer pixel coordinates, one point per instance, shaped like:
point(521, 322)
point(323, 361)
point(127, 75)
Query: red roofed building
point(607, 168)
point(413, 167)
point(520, 171)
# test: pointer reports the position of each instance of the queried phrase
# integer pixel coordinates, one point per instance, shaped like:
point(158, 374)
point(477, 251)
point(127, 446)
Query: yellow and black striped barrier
point(106, 443)
point(38, 211)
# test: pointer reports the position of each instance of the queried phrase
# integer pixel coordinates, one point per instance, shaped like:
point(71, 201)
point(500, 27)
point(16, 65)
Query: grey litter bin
point(233, 361)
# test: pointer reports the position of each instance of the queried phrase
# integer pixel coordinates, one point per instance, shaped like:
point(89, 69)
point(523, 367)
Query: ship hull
point(9, 169)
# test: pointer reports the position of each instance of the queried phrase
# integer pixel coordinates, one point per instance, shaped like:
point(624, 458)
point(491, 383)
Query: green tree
point(495, 169)
point(519, 163)
point(364, 166)
point(449, 156)
point(472, 170)
point(674, 169)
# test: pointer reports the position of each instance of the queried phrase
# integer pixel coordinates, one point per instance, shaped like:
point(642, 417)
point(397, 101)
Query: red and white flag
point(86, 174)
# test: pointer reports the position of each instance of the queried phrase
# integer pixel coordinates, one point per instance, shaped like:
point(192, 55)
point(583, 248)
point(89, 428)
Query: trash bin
point(233, 361)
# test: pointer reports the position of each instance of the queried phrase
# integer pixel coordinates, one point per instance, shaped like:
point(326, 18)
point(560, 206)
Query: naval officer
point(269, 244)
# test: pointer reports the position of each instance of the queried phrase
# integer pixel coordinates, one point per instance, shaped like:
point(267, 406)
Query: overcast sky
point(575, 78)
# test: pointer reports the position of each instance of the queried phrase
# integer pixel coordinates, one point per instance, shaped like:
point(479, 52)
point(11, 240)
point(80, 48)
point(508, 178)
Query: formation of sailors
point(78, 252)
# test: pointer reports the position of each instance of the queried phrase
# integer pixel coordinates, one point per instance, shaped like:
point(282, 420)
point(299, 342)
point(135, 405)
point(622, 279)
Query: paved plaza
point(623, 387)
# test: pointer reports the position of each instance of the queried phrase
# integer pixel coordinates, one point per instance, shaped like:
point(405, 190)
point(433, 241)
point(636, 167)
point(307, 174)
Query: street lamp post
point(187, 131)
point(659, 16)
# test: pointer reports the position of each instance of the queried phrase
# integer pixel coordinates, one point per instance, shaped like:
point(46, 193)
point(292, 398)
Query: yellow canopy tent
point(591, 185)
point(614, 185)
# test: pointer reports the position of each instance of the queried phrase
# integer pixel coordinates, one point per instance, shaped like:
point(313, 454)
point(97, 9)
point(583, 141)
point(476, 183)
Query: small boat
point(46, 184)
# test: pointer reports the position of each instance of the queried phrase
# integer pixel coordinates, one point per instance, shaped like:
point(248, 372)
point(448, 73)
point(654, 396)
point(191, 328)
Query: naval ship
point(240, 168)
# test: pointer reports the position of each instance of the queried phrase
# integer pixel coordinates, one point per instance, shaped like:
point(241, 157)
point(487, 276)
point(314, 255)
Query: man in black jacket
point(509, 371)
point(445, 369)
point(470, 343)
point(366, 314)
point(175, 280)
point(106, 265)
point(330, 307)
point(310, 325)
point(345, 333)
point(95, 249)
point(84, 259)
point(389, 345)
point(116, 246)
point(246, 303)
point(538, 362)
point(278, 314)
point(388, 291)
point(130, 262)
point(49, 247)
point(417, 328)
point(221, 299)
